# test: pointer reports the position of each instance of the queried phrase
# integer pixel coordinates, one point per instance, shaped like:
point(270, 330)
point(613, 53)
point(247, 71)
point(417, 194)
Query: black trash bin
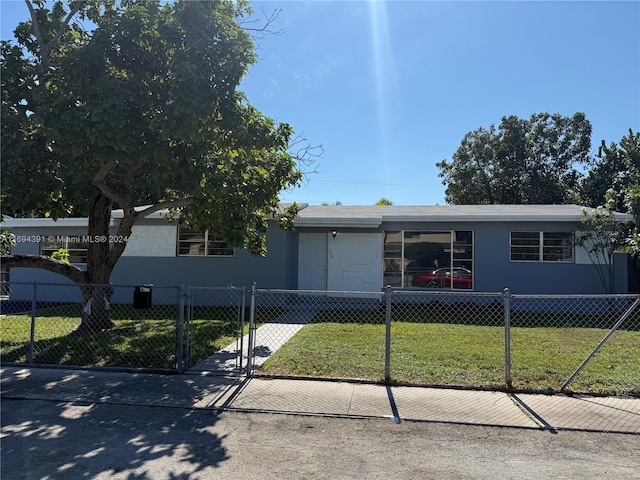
point(142, 296)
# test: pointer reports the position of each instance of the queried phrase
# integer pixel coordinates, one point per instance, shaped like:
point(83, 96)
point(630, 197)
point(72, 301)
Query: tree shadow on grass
point(143, 343)
point(141, 346)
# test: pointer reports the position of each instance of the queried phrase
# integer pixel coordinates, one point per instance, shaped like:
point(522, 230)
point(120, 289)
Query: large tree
point(111, 104)
point(614, 180)
point(617, 168)
point(523, 161)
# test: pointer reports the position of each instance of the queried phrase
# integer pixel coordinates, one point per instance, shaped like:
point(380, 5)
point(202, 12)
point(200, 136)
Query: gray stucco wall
point(271, 271)
point(494, 271)
point(278, 269)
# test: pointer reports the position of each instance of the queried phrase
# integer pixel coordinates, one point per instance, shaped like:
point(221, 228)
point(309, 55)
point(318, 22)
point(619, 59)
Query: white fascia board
point(46, 222)
point(338, 222)
point(621, 217)
point(157, 214)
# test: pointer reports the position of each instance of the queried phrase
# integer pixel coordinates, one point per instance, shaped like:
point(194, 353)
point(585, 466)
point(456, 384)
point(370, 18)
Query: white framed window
point(201, 244)
point(542, 247)
point(74, 244)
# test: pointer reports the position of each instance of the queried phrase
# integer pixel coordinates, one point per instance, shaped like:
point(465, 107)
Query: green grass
point(142, 338)
point(464, 355)
point(439, 347)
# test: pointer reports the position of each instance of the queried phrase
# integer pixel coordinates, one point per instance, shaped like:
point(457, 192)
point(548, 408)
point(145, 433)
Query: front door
point(312, 261)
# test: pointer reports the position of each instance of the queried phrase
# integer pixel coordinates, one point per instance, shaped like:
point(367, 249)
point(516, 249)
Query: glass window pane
point(219, 248)
point(558, 247)
point(555, 247)
point(392, 244)
point(463, 245)
point(525, 238)
point(427, 257)
point(75, 247)
point(77, 255)
point(201, 244)
point(427, 250)
point(191, 243)
point(392, 274)
point(531, 254)
point(525, 246)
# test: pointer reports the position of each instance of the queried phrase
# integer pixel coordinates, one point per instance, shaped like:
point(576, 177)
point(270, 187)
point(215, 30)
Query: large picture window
point(74, 244)
point(542, 246)
point(428, 259)
point(204, 244)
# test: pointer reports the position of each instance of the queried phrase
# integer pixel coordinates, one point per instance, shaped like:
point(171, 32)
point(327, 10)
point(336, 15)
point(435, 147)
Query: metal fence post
point(387, 339)
point(32, 334)
point(507, 337)
point(180, 330)
point(242, 320)
point(252, 326)
point(189, 330)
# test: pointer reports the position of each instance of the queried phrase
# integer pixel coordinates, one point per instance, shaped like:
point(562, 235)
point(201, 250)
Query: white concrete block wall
point(152, 241)
point(354, 262)
point(582, 257)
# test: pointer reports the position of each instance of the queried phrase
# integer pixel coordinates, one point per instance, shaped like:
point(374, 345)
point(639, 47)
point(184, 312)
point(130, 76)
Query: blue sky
point(391, 88)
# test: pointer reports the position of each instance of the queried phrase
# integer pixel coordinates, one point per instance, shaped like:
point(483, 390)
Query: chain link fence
point(453, 339)
point(498, 341)
point(575, 342)
point(318, 334)
point(52, 324)
point(215, 329)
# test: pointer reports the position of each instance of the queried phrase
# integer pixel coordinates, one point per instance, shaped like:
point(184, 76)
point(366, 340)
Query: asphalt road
point(47, 439)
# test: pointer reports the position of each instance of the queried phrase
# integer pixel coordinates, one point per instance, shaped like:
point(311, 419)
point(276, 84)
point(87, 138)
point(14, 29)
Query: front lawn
point(464, 355)
point(143, 338)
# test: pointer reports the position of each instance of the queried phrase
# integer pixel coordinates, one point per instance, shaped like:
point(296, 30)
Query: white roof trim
point(491, 218)
point(372, 217)
point(338, 222)
point(46, 222)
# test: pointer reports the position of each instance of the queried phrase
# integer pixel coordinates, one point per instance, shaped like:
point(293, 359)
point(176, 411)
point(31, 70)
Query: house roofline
point(374, 216)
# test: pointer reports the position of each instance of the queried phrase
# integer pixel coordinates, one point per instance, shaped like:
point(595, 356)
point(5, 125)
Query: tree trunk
point(97, 293)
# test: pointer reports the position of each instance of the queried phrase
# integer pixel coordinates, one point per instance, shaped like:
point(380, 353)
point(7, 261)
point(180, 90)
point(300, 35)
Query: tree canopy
point(141, 109)
point(616, 168)
point(523, 161)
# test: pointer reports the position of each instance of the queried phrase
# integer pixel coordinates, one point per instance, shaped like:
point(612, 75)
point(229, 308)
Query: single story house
point(480, 248)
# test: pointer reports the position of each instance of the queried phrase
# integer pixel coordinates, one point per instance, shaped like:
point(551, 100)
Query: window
point(428, 259)
point(203, 244)
point(542, 246)
point(75, 245)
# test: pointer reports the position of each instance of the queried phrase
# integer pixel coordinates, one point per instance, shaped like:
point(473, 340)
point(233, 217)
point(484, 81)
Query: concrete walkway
point(547, 412)
point(269, 338)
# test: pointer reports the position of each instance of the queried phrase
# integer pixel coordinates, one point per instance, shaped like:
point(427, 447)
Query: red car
point(441, 278)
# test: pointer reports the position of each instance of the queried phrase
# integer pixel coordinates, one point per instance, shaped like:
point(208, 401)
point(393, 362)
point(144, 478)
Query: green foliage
point(62, 255)
point(384, 201)
point(7, 240)
point(615, 179)
point(616, 168)
point(522, 162)
point(142, 109)
point(601, 234)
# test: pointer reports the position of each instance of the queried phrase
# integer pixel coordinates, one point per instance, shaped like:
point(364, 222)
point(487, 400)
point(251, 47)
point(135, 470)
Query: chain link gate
point(214, 333)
